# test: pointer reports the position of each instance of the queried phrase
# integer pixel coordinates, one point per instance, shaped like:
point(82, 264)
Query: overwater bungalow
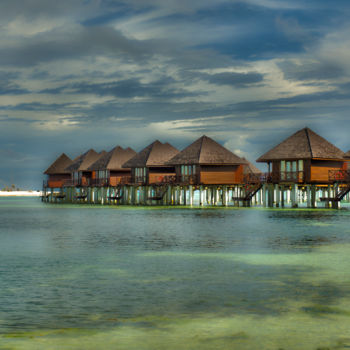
point(149, 165)
point(79, 169)
point(206, 162)
point(108, 170)
point(304, 157)
point(57, 173)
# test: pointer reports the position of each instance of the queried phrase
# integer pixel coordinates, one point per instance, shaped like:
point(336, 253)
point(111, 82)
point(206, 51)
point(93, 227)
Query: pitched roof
point(83, 161)
point(114, 159)
point(59, 165)
point(250, 168)
point(347, 154)
point(205, 151)
point(155, 154)
point(304, 144)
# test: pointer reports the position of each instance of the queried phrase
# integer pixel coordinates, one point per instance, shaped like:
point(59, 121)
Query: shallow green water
point(91, 277)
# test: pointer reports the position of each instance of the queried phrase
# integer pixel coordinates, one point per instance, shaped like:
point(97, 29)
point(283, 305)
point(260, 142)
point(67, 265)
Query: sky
point(81, 74)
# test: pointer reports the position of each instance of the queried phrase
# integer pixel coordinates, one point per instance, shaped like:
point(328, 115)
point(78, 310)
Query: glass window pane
point(301, 165)
point(287, 166)
point(283, 165)
point(294, 166)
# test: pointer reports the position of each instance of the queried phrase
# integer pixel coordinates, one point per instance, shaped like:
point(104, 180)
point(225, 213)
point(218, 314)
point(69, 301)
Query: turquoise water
point(91, 277)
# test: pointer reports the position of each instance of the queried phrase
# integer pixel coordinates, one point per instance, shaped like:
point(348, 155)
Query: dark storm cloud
point(311, 71)
point(35, 106)
point(83, 41)
point(129, 88)
point(33, 9)
point(242, 80)
point(8, 86)
point(250, 31)
point(7, 119)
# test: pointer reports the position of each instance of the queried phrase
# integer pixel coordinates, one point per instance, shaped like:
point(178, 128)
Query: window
point(301, 165)
point(283, 165)
point(287, 167)
point(292, 170)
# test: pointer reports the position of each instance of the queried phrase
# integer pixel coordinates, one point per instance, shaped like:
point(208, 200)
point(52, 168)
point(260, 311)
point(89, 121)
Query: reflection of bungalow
point(148, 166)
point(207, 162)
point(108, 171)
point(56, 172)
point(304, 157)
point(80, 174)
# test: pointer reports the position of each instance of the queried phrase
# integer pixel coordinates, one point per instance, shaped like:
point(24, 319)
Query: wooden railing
point(111, 181)
point(339, 175)
point(255, 178)
point(99, 182)
point(140, 180)
point(277, 177)
point(187, 179)
point(291, 176)
point(76, 182)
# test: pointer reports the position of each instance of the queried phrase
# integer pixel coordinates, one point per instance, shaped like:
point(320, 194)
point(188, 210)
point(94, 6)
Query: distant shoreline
point(20, 193)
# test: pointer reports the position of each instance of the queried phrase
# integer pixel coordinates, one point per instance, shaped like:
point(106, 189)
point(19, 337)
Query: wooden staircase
point(158, 193)
point(252, 184)
point(341, 181)
point(342, 192)
point(117, 195)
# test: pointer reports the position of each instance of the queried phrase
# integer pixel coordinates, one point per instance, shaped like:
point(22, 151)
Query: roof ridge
point(308, 140)
point(200, 148)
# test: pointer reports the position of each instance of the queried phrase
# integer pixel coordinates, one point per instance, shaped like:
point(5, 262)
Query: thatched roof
point(347, 154)
point(155, 154)
point(250, 168)
point(304, 144)
point(59, 165)
point(206, 151)
point(114, 159)
point(82, 162)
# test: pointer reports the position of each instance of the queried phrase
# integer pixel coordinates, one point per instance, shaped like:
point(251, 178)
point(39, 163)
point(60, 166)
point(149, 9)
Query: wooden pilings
point(270, 195)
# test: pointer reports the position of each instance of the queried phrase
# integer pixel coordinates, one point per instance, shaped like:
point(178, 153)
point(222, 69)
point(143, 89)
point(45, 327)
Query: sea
point(132, 278)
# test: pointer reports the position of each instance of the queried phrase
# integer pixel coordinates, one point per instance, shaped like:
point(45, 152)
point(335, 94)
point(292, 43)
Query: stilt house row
point(303, 168)
point(304, 157)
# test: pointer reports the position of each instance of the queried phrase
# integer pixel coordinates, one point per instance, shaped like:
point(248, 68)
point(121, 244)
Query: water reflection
point(190, 279)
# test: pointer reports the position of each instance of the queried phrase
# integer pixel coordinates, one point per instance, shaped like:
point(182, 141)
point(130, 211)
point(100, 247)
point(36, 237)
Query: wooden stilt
point(294, 196)
point(270, 196)
point(277, 195)
point(313, 196)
